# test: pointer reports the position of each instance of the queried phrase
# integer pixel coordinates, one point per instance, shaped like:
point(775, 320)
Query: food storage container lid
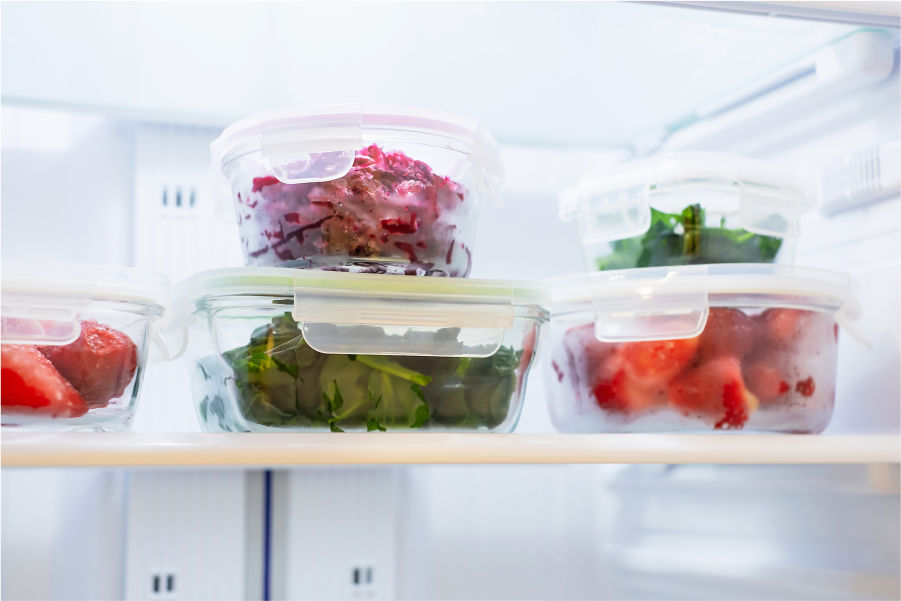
point(669, 303)
point(616, 204)
point(371, 314)
point(318, 143)
point(44, 303)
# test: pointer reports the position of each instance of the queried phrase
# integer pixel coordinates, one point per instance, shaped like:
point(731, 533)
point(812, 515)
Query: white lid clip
point(301, 146)
point(400, 316)
point(667, 303)
point(38, 310)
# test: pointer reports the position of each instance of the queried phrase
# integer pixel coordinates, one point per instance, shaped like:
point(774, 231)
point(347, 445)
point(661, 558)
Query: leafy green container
point(688, 208)
point(276, 350)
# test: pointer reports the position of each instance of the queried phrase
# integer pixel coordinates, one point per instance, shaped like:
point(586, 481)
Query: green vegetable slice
point(395, 369)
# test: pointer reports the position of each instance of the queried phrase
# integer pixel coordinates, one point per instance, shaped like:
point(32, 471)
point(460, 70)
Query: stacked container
point(274, 349)
point(365, 188)
point(321, 331)
point(75, 343)
point(690, 208)
point(683, 322)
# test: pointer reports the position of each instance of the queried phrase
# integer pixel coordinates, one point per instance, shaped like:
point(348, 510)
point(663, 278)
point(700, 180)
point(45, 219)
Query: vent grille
point(859, 178)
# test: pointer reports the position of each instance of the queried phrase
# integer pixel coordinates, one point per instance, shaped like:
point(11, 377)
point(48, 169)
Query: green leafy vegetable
point(373, 424)
point(395, 369)
point(280, 381)
point(685, 239)
point(336, 401)
point(422, 412)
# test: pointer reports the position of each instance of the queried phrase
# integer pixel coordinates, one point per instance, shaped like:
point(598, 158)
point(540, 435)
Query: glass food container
point(697, 348)
point(360, 188)
point(686, 208)
point(275, 350)
point(75, 343)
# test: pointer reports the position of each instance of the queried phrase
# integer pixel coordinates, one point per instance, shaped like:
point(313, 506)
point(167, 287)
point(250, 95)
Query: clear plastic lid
point(316, 144)
point(616, 204)
point(669, 303)
point(44, 303)
point(370, 314)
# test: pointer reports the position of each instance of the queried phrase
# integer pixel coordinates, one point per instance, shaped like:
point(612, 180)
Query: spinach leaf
point(685, 239)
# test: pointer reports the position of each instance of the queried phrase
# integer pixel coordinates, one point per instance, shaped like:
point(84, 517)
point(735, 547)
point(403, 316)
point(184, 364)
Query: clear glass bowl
point(252, 371)
point(752, 369)
point(92, 383)
point(691, 227)
point(390, 214)
point(686, 208)
point(738, 347)
point(401, 196)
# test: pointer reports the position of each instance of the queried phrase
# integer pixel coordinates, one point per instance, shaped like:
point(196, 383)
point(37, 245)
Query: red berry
point(656, 362)
point(783, 327)
point(715, 393)
point(585, 348)
point(728, 333)
point(765, 382)
point(29, 380)
point(100, 364)
point(619, 393)
point(806, 387)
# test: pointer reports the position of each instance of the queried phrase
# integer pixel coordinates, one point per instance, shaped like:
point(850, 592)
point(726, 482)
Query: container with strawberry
point(75, 343)
point(756, 365)
point(68, 380)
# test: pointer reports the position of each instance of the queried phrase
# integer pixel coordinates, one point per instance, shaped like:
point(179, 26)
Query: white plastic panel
point(335, 533)
point(63, 534)
point(185, 536)
point(753, 532)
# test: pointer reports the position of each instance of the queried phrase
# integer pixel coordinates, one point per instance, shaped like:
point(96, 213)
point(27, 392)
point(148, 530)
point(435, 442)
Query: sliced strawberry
point(622, 394)
point(783, 327)
point(728, 333)
point(715, 393)
point(766, 382)
point(655, 363)
point(100, 364)
point(30, 382)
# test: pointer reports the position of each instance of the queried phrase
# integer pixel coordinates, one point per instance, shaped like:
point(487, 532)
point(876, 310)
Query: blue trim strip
point(267, 534)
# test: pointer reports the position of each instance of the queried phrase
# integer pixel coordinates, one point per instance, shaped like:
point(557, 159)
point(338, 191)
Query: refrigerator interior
point(105, 157)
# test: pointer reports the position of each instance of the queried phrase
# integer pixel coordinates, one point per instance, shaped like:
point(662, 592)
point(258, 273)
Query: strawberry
point(100, 364)
point(655, 363)
point(765, 382)
point(30, 382)
point(715, 393)
point(728, 333)
point(617, 392)
point(783, 327)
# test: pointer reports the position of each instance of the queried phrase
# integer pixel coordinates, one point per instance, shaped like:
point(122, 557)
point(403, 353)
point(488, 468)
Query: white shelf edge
point(33, 449)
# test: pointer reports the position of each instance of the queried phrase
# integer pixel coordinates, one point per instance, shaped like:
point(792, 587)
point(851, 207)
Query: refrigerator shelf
point(73, 449)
